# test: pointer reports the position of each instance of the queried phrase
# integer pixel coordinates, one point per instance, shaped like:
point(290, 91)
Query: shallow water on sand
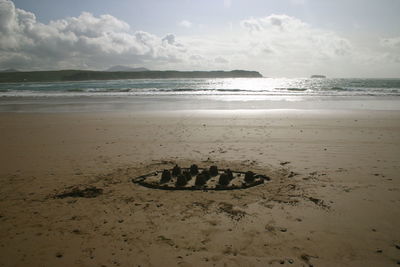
point(140, 104)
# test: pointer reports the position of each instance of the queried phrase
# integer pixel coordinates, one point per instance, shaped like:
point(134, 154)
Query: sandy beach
point(333, 198)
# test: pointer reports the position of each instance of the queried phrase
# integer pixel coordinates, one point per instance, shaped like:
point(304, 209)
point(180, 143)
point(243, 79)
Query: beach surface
point(333, 198)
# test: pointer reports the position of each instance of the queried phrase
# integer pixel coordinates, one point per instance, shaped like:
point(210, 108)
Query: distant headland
point(125, 68)
point(85, 75)
point(318, 76)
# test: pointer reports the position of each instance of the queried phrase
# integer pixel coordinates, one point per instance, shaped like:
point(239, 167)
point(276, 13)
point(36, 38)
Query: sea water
point(180, 94)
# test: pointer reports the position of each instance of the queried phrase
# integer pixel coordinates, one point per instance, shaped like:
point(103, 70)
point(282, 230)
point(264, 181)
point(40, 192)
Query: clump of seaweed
point(231, 211)
point(201, 179)
point(224, 179)
point(165, 176)
point(187, 175)
point(206, 174)
point(76, 191)
point(194, 169)
point(181, 180)
point(176, 170)
point(213, 170)
point(230, 174)
point(249, 177)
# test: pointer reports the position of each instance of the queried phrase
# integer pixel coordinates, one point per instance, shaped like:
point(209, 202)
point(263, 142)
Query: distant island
point(318, 76)
point(85, 75)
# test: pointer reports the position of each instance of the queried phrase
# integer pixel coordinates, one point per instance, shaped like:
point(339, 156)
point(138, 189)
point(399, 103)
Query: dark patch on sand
point(231, 211)
point(79, 191)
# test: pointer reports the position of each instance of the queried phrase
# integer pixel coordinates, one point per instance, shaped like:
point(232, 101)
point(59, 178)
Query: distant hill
point(9, 70)
point(318, 76)
point(125, 69)
point(85, 75)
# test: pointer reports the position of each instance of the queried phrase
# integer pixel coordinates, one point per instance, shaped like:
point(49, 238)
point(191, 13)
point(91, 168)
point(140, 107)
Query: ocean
point(180, 94)
point(235, 86)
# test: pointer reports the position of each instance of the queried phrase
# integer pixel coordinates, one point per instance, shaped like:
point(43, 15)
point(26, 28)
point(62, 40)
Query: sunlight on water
point(256, 85)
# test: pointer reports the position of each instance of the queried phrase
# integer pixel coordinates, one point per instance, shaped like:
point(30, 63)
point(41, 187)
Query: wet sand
point(333, 199)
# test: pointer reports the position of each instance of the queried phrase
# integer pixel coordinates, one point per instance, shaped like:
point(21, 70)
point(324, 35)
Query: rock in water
point(181, 180)
point(194, 169)
point(200, 180)
point(224, 179)
point(176, 170)
point(165, 176)
point(249, 177)
point(213, 170)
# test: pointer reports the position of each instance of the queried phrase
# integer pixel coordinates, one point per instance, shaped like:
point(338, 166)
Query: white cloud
point(285, 42)
point(221, 60)
point(185, 24)
point(391, 48)
point(391, 42)
point(79, 42)
point(276, 45)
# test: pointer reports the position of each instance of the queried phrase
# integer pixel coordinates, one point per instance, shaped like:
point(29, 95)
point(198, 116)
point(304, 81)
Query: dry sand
point(333, 199)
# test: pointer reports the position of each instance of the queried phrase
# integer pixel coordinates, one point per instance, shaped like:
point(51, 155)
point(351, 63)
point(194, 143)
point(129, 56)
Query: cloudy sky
point(286, 38)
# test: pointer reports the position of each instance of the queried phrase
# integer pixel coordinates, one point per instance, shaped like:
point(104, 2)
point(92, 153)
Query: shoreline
point(192, 103)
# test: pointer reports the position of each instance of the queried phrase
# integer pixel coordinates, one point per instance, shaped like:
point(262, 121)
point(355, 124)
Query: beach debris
point(59, 255)
point(201, 179)
point(224, 179)
point(77, 191)
point(166, 240)
point(176, 170)
point(187, 175)
point(181, 180)
point(206, 174)
point(229, 173)
point(232, 212)
point(165, 176)
point(305, 257)
point(249, 177)
point(194, 169)
point(318, 202)
point(213, 170)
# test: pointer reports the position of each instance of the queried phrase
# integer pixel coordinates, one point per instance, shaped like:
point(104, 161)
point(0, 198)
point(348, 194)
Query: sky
point(286, 38)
